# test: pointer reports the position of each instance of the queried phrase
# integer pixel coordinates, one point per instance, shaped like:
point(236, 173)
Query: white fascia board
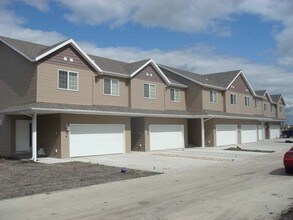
point(78, 48)
point(109, 73)
point(267, 93)
point(139, 69)
point(178, 85)
point(110, 113)
point(246, 81)
point(16, 50)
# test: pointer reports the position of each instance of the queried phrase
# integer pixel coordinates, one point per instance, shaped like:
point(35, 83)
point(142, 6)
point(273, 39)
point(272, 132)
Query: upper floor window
point(149, 91)
point(233, 99)
point(175, 95)
point(265, 107)
point(280, 109)
point(256, 104)
point(111, 87)
point(67, 80)
point(213, 96)
point(272, 108)
point(247, 101)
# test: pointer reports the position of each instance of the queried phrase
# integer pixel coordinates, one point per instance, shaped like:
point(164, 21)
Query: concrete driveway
point(252, 187)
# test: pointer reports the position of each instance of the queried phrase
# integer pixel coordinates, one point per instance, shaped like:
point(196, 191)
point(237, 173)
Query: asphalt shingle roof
point(276, 98)
point(260, 92)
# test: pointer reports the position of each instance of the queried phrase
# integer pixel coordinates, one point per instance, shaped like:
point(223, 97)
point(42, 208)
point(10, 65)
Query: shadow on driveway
point(279, 172)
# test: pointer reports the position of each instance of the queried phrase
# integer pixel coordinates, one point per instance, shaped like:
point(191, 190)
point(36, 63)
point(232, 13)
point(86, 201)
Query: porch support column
point(263, 131)
point(34, 137)
point(202, 133)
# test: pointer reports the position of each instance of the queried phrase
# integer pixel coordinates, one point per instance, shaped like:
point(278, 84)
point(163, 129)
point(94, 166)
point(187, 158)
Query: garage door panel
point(226, 134)
point(274, 131)
point(248, 133)
point(164, 137)
point(96, 139)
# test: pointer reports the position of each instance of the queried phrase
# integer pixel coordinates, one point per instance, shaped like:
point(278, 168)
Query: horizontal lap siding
point(17, 78)
point(171, 105)
point(207, 105)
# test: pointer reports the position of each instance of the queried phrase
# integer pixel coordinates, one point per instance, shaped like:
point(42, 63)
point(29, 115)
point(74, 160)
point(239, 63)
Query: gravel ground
point(287, 214)
point(19, 178)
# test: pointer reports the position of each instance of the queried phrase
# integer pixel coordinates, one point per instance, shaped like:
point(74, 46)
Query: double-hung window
point(111, 87)
point(175, 95)
point(149, 91)
point(213, 96)
point(265, 107)
point(256, 103)
point(233, 99)
point(280, 109)
point(247, 101)
point(68, 80)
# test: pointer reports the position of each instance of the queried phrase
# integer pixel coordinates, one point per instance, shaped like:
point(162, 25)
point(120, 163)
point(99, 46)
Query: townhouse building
point(74, 104)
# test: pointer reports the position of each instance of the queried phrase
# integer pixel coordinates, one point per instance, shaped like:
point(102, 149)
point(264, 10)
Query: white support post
point(202, 133)
point(34, 137)
point(263, 131)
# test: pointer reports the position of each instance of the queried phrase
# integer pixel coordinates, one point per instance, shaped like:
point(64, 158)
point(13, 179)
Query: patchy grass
point(249, 150)
point(19, 178)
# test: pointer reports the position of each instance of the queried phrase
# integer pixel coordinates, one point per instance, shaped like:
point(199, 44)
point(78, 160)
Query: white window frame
point(68, 89)
point(213, 96)
point(111, 91)
point(265, 107)
point(234, 100)
point(272, 108)
point(150, 84)
point(247, 101)
point(280, 109)
point(256, 103)
point(175, 90)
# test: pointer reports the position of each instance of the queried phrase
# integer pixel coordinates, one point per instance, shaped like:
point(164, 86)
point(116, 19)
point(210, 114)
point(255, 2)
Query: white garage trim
point(226, 134)
point(163, 137)
point(274, 131)
point(248, 133)
point(260, 132)
point(96, 139)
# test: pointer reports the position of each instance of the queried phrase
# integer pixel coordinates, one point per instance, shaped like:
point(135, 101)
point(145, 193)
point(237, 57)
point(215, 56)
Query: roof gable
point(149, 74)
point(239, 84)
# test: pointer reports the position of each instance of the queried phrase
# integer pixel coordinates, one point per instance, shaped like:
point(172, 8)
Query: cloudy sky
point(197, 35)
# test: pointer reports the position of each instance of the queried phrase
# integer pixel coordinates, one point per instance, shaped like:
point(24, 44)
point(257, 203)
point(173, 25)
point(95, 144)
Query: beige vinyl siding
point(103, 99)
point(49, 134)
point(149, 76)
point(67, 119)
point(207, 105)
point(164, 121)
point(193, 94)
point(17, 78)
point(47, 89)
point(171, 105)
point(258, 111)
point(240, 107)
point(281, 115)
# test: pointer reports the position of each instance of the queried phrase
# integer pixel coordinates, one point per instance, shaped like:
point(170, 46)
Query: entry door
point(23, 135)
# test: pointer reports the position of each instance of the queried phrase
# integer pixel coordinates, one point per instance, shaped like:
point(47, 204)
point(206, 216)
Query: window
point(67, 80)
point(175, 95)
point(265, 107)
point(256, 104)
point(213, 96)
point(233, 99)
point(272, 108)
point(149, 91)
point(280, 109)
point(247, 101)
point(111, 87)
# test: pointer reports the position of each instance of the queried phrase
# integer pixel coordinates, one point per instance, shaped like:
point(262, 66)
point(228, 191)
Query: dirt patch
point(26, 178)
point(287, 214)
point(249, 150)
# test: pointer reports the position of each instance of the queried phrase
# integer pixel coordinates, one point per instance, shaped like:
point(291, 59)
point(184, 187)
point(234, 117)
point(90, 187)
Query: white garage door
point(164, 137)
point(260, 133)
point(274, 131)
point(226, 134)
point(96, 139)
point(248, 133)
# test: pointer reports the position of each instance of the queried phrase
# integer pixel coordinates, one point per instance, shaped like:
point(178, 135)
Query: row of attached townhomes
point(72, 104)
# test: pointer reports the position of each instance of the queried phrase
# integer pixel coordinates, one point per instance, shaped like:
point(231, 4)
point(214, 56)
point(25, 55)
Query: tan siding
point(5, 138)
point(207, 105)
point(67, 119)
point(17, 78)
point(102, 99)
point(281, 114)
point(193, 94)
point(240, 107)
point(47, 90)
point(164, 121)
point(170, 105)
point(258, 111)
point(137, 90)
point(239, 86)
point(57, 58)
point(49, 134)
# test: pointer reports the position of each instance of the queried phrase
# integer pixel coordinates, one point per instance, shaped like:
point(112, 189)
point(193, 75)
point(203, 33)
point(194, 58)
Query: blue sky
point(199, 35)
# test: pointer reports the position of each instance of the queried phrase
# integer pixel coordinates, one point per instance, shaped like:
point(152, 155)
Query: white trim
point(150, 84)
point(245, 80)
point(216, 96)
point(233, 99)
point(174, 95)
point(68, 71)
point(111, 92)
point(72, 42)
point(248, 98)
